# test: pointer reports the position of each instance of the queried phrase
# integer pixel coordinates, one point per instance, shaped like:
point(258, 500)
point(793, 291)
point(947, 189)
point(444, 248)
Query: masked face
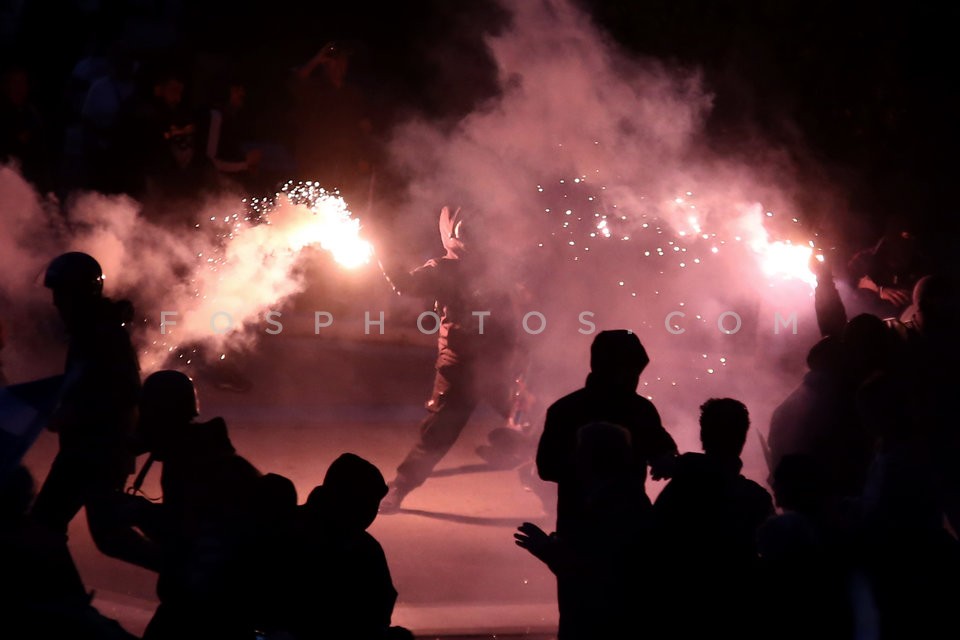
point(451, 231)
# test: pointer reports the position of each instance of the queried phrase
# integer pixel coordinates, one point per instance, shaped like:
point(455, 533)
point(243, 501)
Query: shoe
point(391, 502)
point(498, 458)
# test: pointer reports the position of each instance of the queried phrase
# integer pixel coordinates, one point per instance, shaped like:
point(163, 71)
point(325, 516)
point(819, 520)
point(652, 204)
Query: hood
point(451, 231)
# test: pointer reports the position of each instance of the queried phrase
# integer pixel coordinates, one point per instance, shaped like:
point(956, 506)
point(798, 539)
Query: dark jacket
point(556, 454)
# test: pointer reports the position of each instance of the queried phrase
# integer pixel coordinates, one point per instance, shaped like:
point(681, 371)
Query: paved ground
point(451, 549)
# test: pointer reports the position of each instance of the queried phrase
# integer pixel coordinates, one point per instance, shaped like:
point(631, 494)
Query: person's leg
point(110, 520)
point(450, 406)
point(511, 444)
point(61, 495)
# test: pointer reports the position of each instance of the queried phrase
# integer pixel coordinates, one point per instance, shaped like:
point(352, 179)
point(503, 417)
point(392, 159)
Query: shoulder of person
point(213, 433)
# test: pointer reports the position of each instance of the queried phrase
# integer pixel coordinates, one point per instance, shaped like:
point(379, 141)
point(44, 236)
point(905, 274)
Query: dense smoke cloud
point(216, 280)
point(658, 220)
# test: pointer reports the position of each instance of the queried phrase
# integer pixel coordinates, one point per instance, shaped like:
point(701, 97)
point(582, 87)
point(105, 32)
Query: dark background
point(861, 92)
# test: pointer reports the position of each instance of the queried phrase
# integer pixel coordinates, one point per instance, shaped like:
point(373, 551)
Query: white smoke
point(607, 196)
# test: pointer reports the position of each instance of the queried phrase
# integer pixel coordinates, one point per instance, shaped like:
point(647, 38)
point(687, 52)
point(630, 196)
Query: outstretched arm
point(422, 281)
point(831, 314)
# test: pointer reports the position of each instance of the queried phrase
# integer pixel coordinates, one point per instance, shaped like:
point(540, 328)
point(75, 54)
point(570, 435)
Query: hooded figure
point(584, 497)
point(476, 347)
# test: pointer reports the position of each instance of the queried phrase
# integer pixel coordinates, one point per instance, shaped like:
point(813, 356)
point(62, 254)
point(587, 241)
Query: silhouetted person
point(911, 557)
point(44, 596)
point(819, 418)
point(203, 526)
point(616, 360)
point(885, 274)
point(341, 587)
point(95, 416)
point(809, 567)
point(106, 104)
point(333, 143)
point(273, 567)
point(23, 131)
point(228, 134)
point(708, 516)
point(602, 568)
point(472, 366)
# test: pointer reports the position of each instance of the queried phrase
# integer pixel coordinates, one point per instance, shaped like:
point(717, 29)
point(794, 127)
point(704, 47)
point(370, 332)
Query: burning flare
point(331, 225)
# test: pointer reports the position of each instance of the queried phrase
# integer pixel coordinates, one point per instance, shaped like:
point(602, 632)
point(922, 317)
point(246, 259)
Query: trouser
point(78, 479)
point(457, 390)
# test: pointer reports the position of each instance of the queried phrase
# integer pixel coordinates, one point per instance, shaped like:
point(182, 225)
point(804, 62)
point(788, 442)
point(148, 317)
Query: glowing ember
point(743, 223)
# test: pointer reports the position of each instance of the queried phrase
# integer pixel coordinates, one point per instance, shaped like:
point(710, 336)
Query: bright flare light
point(331, 225)
point(786, 260)
point(778, 259)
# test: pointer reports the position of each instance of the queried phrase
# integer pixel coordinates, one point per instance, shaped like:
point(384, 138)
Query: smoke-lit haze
point(606, 195)
point(598, 190)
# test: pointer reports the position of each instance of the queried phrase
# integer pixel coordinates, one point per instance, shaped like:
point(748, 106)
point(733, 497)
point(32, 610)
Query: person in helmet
point(95, 414)
point(201, 529)
point(192, 453)
point(477, 347)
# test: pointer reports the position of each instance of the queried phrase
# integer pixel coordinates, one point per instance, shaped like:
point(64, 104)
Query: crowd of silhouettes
point(858, 540)
point(126, 109)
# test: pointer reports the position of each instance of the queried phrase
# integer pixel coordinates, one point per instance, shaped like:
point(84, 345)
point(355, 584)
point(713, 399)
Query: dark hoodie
point(711, 512)
point(596, 402)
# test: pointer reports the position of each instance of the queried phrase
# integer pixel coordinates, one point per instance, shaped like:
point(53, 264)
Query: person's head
point(336, 62)
point(618, 358)
point(236, 94)
point(168, 400)
point(935, 299)
point(353, 489)
point(76, 281)
point(826, 354)
point(168, 88)
point(723, 426)
point(866, 345)
point(798, 483)
point(275, 496)
point(452, 231)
